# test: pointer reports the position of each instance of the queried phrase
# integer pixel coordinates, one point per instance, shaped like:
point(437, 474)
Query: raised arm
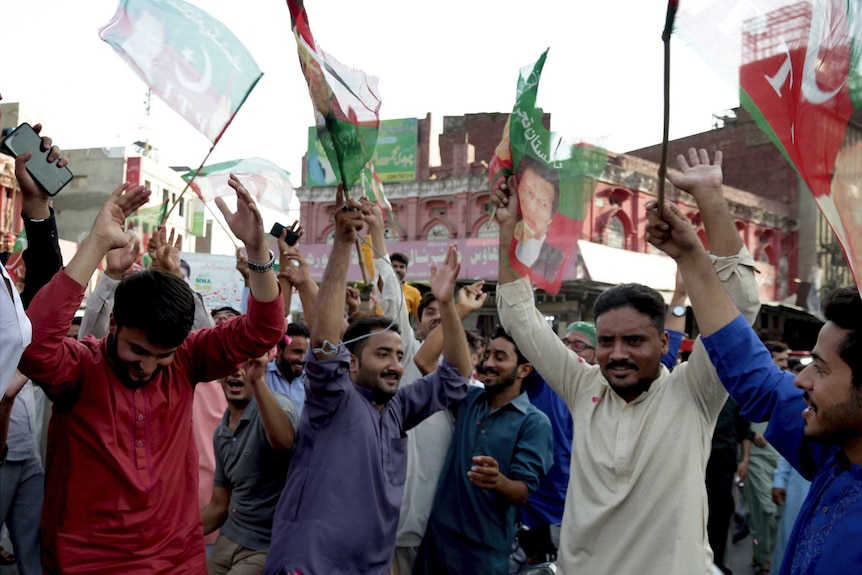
point(703, 180)
point(280, 430)
point(505, 198)
point(470, 298)
point(328, 320)
point(247, 225)
point(42, 257)
point(100, 302)
point(443, 277)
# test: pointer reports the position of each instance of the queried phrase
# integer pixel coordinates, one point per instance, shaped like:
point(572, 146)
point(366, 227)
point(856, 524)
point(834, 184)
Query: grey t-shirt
point(254, 472)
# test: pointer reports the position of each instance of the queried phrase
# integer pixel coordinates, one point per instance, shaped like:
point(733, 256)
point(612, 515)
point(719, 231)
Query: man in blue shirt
point(815, 417)
point(501, 448)
point(285, 373)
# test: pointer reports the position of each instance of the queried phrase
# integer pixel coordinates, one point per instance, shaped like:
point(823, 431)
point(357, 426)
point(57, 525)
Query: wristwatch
point(678, 310)
point(262, 268)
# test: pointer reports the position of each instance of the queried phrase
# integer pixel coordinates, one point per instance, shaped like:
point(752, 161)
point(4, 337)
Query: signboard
point(216, 279)
point(394, 157)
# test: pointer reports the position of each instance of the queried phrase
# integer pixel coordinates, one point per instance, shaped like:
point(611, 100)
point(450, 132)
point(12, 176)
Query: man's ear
point(665, 340)
point(354, 363)
point(112, 329)
point(524, 370)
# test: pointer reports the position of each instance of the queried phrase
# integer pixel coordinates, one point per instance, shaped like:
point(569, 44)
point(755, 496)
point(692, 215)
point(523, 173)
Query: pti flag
point(798, 66)
point(15, 264)
point(555, 183)
point(188, 58)
point(150, 218)
point(268, 184)
point(345, 100)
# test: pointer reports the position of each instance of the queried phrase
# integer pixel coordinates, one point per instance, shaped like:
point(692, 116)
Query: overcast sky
point(601, 82)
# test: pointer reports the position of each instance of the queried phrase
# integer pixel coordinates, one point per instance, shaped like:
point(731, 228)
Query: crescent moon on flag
point(201, 85)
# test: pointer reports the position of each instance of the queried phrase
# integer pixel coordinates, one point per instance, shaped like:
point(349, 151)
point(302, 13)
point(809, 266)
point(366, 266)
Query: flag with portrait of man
point(555, 181)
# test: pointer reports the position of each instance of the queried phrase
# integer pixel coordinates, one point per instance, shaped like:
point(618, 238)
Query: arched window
point(391, 234)
point(438, 232)
point(489, 231)
point(615, 234)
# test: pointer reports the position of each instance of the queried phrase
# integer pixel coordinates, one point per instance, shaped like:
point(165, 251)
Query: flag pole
point(188, 184)
point(672, 6)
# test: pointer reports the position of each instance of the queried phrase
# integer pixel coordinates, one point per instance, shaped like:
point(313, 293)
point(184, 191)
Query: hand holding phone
point(292, 236)
point(50, 176)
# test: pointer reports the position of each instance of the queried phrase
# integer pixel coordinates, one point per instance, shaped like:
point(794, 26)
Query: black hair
point(843, 307)
point(500, 332)
point(426, 300)
point(364, 326)
point(77, 320)
point(158, 303)
point(399, 257)
point(776, 346)
point(473, 340)
point(185, 266)
point(297, 328)
point(643, 299)
point(544, 171)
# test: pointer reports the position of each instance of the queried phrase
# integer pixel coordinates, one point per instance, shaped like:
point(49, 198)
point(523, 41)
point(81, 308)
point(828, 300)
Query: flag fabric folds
point(188, 58)
point(148, 219)
point(346, 102)
point(797, 64)
point(267, 183)
point(556, 180)
point(372, 187)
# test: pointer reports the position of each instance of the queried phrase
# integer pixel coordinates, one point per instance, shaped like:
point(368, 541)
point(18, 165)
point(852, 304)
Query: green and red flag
point(372, 187)
point(188, 58)
point(346, 102)
point(149, 218)
point(797, 64)
point(556, 179)
point(267, 183)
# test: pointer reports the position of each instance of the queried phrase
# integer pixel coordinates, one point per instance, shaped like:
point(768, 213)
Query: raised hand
point(293, 268)
point(34, 201)
point(242, 265)
point(348, 217)
point(505, 199)
point(109, 228)
point(283, 246)
point(246, 223)
point(119, 260)
point(166, 251)
point(372, 214)
point(443, 277)
point(698, 174)
point(671, 232)
point(471, 298)
point(353, 300)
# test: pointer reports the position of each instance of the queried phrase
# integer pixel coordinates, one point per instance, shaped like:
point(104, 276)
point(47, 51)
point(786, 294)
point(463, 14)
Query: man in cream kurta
point(636, 501)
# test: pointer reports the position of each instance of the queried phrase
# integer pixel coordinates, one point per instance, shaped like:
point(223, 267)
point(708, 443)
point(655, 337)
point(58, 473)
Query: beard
point(839, 423)
point(121, 368)
point(504, 381)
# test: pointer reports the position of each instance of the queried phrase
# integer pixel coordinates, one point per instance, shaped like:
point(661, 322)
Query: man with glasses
point(581, 339)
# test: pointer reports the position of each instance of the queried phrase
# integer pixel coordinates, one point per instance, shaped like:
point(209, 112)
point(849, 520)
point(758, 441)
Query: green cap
point(584, 327)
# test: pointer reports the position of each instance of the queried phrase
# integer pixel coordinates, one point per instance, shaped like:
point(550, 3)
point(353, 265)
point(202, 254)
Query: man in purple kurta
point(338, 512)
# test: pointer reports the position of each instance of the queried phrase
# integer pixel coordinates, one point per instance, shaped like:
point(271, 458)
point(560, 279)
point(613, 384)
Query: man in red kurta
point(122, 466)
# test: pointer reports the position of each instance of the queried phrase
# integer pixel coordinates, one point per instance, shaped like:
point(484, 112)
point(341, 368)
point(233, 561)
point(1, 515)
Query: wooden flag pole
point(672, 7)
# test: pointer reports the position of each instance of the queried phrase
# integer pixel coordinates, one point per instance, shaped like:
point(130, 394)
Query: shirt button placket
point(140, 428)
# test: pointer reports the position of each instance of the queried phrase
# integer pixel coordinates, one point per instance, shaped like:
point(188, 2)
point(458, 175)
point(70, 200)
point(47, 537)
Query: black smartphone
point(291, 238)
point(50, 177)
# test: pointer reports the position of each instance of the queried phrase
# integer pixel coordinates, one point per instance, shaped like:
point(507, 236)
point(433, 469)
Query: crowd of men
point(183, 440)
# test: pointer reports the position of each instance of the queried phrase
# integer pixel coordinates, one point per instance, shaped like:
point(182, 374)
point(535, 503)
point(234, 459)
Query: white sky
point(602, 80)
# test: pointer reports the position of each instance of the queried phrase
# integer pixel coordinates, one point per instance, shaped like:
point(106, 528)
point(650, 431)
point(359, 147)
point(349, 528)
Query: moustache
point(623, 364)
point(389, 373)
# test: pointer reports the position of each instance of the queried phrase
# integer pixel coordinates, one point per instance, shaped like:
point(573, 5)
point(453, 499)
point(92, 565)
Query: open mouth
point(811, 409)
point(235, 385)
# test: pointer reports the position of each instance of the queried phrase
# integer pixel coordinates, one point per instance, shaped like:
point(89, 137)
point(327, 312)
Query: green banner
point(394, 156)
